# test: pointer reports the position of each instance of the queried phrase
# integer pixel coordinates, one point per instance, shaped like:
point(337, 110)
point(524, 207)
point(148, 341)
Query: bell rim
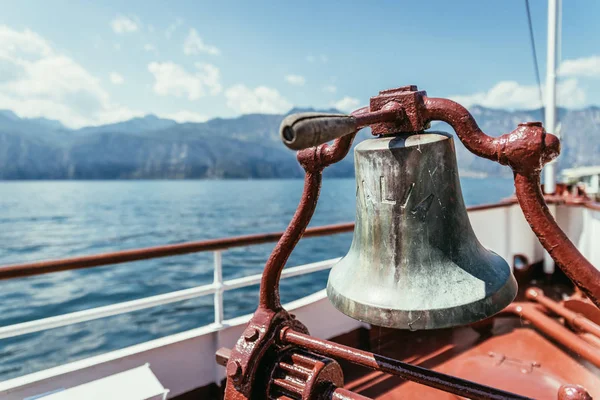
point(434, 319)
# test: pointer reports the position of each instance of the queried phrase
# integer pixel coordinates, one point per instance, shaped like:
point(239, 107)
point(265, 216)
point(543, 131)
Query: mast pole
point(550, 112)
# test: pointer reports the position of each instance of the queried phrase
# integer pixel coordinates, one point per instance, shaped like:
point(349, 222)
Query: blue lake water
point(55, 219)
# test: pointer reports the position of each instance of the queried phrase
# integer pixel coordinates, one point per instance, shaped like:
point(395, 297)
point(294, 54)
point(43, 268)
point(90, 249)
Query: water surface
point(54, 219)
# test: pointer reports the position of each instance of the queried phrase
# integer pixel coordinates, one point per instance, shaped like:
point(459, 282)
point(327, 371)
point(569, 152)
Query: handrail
point(118, 257)
point(158, 300)
point(217, 287)
point(123, 256)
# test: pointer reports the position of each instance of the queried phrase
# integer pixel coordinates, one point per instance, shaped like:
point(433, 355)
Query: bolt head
point(234, 369)
point(251, 334)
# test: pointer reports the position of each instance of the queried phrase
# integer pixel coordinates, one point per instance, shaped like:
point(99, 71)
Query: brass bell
point(415, 262)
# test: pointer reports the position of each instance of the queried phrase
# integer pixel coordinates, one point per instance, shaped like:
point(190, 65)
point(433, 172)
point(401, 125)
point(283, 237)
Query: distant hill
point(245, 147)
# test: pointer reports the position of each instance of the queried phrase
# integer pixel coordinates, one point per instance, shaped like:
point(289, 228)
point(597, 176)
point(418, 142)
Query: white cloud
point(38, 81)
point(173, 27)
point(258, 100)
point(585, 66)
point(330, 89)
point(512, 95)
point(321, 58)
point(150, 48)
point(194, 45)
point(185, 116)
point(172, 79)
point(346, 104)
point(116, 78)
point(121, 24)
point(98, 42)
point(296, 80)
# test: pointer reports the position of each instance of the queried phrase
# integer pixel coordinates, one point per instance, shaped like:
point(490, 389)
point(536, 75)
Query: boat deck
point(513, 357)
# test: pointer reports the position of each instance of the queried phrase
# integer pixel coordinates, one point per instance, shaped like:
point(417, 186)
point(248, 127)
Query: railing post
point(218, 283)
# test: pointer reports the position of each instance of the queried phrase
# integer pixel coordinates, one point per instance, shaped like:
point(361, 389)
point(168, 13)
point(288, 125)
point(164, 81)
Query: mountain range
point(245, 147)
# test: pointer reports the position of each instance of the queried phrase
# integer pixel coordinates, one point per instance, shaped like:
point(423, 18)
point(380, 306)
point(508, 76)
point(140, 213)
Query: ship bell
point(415, 262)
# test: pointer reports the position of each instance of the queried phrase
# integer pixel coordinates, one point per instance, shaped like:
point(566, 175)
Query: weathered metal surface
point(410, 100)
point(415, 262)
point(302, 375)
point(414, 373)
point(295, 374)
point(245, 359)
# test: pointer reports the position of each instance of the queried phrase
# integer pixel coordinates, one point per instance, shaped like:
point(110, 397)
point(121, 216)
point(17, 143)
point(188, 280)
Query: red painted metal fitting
point(527, 148)
point(234, 370)
point(573, 392)
point(410, 99)
point(251, 334)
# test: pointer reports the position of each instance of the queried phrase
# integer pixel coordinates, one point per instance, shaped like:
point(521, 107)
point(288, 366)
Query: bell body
point(415, 262)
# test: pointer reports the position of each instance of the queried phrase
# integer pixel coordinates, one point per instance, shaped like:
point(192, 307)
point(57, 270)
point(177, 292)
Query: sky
point(90, 63)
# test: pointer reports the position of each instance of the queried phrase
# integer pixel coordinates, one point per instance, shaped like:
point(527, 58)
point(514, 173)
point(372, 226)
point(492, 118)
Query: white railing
point(217, 288)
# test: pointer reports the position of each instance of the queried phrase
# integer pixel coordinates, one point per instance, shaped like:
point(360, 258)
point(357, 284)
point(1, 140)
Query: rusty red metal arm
point(313, 160)
point(525, 150)
point(270, 316)
point(463, 124)
point(269, 286)
point(554, 240)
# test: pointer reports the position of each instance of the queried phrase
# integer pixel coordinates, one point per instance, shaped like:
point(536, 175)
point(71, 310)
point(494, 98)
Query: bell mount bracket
point(273, 331)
